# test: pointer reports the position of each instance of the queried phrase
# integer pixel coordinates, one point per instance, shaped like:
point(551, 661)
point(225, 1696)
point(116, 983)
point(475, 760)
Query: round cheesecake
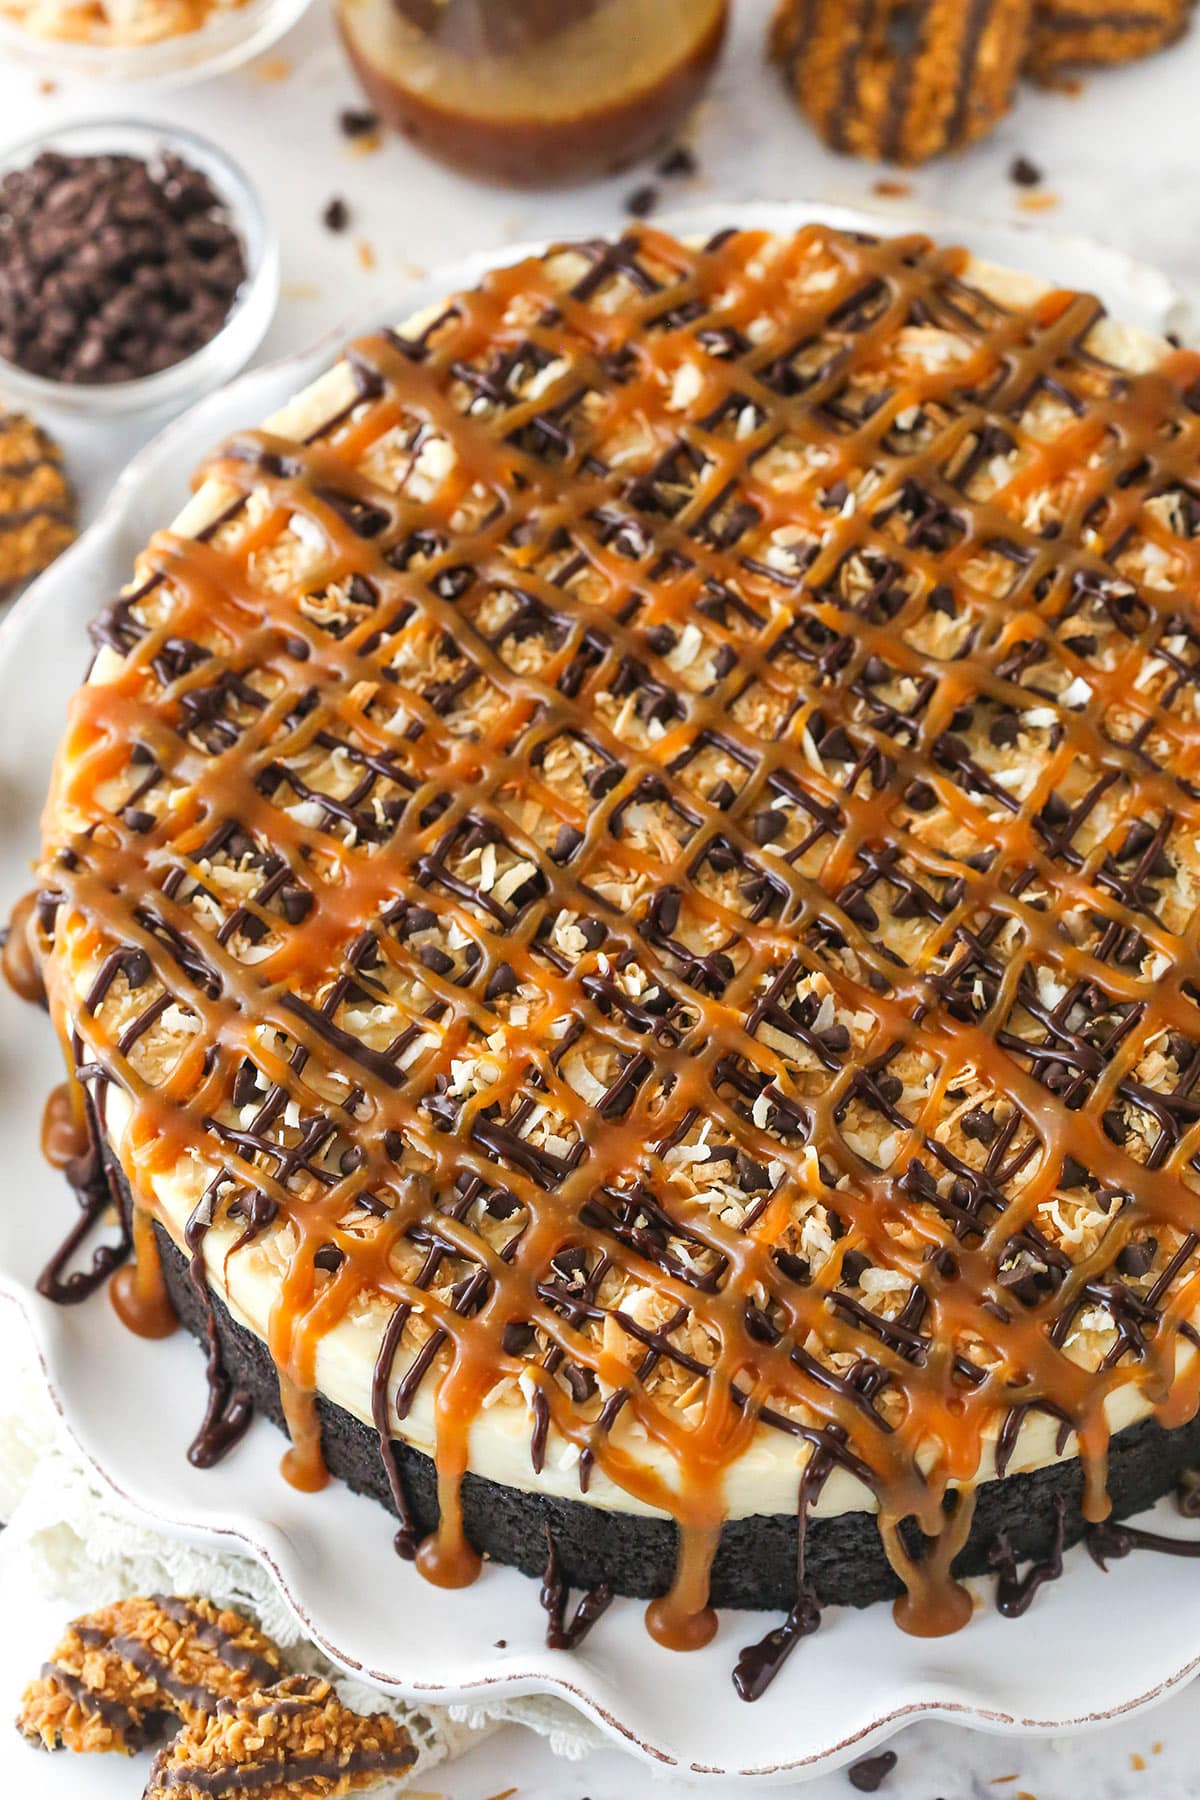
point(621, 892)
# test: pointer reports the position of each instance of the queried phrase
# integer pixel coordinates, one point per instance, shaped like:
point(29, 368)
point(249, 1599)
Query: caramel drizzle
point(905, 1402)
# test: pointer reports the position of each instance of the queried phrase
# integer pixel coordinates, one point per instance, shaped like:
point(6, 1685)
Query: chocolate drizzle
point(554, 1594)
point(230, 1410)
point(758, 1664)
point(88, 1175)
point(681, 908)
point(1109, 1541)
point(1015, 1593)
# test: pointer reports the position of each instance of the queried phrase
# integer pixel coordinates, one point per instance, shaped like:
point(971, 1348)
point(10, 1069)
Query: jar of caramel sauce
point(534, 91)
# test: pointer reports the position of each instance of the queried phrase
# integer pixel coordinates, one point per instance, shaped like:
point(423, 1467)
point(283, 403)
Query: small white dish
point(174, 389)
point(1093, 1648)
point(224, 42)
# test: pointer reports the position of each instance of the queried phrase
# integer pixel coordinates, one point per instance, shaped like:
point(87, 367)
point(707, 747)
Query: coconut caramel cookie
point(119, 1675)
point(295, 1741)
point(898, 82)
point(1075, 33)
point(37, 505)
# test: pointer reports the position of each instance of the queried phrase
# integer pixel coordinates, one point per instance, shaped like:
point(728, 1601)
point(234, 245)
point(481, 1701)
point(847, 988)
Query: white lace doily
point(86, 1548)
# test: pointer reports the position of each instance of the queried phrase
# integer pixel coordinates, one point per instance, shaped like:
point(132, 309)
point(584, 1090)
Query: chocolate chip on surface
point(357, 122)
point(642, 201)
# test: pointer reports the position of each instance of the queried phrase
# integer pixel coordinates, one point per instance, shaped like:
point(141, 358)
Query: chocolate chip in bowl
point(137, 270)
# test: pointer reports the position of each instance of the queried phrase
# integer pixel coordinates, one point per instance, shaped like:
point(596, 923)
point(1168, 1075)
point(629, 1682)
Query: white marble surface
point(1121, 161)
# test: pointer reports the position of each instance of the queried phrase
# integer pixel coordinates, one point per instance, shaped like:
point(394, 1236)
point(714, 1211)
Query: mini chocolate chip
point(295, 903)
point(794, 1267)
point(336, 216)
point(352, 1159)
point(137, 967)
point(1024, 172)
point(920, 796)
point(1073, 1173)
point(1114, 1126)
point(666, 909)
point(356, 122)
point(580, 1380)
point(722, 794)
point(678, 162)
point(859, 908)
point(752, 1176)
point(502, 980)
point(245, 1084)
point(1004, 731)
point(979, 1125)
point(837, 745)
point(593, 932)
point(889, 1088)
point(767, 825)
point(1138, 1258)
point(137, 820)
point(435, 959)
point(941, 600)
point(566, 843)
point(854, 1264)
point(517, 1337)
point(602, 780)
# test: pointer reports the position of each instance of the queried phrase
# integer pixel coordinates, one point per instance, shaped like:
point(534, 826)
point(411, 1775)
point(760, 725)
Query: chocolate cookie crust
point(755, 1566)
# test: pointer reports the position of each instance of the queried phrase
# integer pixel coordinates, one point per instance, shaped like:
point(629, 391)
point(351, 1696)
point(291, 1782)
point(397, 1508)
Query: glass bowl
point(228, 38)
point(177, 387)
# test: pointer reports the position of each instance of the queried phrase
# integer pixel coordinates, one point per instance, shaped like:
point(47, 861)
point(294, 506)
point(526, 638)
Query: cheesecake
point(621, 895)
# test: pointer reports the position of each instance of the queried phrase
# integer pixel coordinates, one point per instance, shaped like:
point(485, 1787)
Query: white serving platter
point(1093, 1648)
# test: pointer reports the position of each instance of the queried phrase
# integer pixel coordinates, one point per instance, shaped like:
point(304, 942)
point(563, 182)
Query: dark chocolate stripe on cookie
point(119, 1718)
point(232, 1780)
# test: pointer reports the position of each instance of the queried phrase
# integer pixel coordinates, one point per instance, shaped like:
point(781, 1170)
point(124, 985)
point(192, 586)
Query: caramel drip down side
point(657, 852)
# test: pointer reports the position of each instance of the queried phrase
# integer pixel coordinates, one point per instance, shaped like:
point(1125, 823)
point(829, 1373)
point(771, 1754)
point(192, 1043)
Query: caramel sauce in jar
point(534, 92)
